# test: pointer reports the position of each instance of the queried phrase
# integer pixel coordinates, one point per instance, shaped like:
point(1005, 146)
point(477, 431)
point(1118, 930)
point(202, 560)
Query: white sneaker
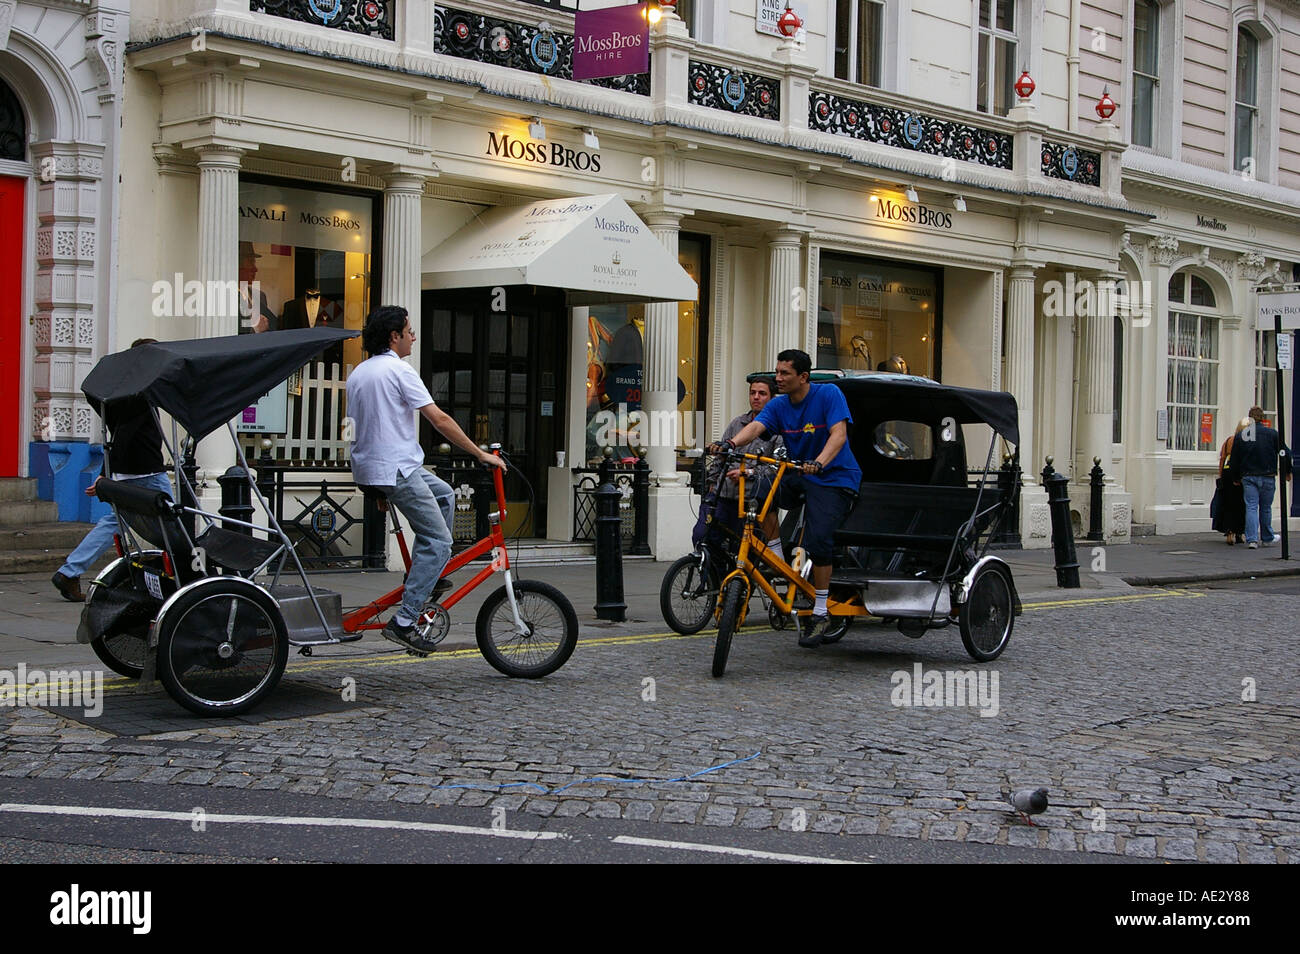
point(1252, 545)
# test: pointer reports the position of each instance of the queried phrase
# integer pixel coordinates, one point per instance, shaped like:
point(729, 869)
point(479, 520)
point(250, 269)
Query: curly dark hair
point(377, 335)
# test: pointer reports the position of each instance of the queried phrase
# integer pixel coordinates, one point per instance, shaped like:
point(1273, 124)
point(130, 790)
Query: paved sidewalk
point(39, 628)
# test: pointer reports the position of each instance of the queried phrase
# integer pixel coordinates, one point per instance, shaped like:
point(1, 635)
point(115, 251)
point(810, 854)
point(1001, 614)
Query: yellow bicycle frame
point(751, 539)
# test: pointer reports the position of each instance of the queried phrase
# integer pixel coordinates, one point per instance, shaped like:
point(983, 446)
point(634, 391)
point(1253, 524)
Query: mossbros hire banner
point(611, 42)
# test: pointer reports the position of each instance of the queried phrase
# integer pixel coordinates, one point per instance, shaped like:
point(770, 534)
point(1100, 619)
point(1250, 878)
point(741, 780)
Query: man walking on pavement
point(1255, 457)
point(813, 420)
point(134, 453)
point(383, 391)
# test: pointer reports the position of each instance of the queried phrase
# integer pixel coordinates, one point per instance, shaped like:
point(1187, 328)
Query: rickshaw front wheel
point(551, 630)
point(124, 653)
point(222, 646)
point(987, 616)
point(734, 592)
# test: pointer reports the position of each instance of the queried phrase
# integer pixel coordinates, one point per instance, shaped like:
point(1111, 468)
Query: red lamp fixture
point(1024, 86)
point(1106, 106)
point(789, 23)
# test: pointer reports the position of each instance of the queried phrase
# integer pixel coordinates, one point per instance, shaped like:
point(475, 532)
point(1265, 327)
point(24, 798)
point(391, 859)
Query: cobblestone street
point(1128, 708)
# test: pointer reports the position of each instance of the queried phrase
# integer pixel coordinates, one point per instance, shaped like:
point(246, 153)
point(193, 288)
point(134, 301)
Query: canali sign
point(611, 42)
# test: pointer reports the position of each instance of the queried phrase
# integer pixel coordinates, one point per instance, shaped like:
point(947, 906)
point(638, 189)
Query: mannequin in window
point(310, 310)
point(255, 316)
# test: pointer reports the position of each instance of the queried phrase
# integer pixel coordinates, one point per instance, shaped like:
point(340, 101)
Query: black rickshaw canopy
point(204, 382)
point(997, 409)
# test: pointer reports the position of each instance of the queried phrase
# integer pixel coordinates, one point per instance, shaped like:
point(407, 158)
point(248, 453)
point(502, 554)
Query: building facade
point(60, 109)
point(874, 186)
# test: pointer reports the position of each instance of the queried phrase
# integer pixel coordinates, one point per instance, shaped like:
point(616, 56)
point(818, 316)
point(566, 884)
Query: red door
point(11, 320)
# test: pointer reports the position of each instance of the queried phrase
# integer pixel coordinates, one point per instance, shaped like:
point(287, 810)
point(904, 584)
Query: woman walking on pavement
point(1228, 508)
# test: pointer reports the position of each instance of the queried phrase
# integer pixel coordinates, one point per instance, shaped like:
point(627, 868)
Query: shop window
point(1266, 373)
point(304, 261)
point(870, 310)
point(615, 367)
point(904, 440)
point(1193, 377)
point(996, 60)
point(859, 41)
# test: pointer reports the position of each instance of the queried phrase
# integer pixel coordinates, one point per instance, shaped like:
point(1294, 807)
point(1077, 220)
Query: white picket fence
point(315, 419)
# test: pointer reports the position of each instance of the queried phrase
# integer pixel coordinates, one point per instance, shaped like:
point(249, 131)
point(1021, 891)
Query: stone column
point(218, 231)
point(218, 268)
point(659, 374)
point(1151, 463)
point(670, 519)
point(1096, 328)
point(400, 285)
point(785, 295)
point(1020, 359)
point(1035, 529)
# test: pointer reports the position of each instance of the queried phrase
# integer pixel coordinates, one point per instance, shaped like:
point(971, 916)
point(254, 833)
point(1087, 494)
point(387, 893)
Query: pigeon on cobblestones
point(1029, 801)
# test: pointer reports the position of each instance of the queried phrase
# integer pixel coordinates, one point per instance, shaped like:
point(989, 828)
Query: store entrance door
point(11, 321)
point(500, 373)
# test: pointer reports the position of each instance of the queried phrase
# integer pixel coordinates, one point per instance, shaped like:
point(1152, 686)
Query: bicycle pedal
point(418, 655)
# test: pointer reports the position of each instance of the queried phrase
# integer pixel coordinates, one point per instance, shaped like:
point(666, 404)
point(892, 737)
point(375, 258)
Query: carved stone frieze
point(1253, 265)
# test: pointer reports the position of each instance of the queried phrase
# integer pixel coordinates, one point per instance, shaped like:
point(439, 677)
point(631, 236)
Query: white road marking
point(288, 820)
point(731, 850)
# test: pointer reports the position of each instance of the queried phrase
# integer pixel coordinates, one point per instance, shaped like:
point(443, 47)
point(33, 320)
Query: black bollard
point(609, 547)
point(641, 505)
point(266, 478)
point(1096, 480)
point(1058, 500)
point(236, 498)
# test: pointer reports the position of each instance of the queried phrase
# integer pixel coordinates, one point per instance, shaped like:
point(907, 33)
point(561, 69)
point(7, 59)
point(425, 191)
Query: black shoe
point(814, 631)
point(407, 637)
point(69, 587)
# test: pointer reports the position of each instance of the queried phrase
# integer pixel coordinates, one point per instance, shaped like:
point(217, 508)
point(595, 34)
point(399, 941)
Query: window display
point(876, 316)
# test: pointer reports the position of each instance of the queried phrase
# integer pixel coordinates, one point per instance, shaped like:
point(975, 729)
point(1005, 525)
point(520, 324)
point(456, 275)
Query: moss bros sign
point(555, 154)
point(913, 214)
point(611, 42)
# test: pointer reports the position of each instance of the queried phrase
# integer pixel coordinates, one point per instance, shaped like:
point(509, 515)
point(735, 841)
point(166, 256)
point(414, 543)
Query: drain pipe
point(1072, 71)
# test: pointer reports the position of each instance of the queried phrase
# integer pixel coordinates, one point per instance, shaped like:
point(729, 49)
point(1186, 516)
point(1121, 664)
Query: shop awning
point(592, 246)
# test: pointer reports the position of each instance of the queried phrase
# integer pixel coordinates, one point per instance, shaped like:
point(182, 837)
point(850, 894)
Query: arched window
point(13, 126)
point(1193, 392)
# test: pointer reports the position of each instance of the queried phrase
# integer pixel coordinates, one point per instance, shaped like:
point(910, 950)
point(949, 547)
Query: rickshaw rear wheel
point(688, 595)
point(733, 601)
point(988, 615)
point(222, 646)
point(552, 630)
point(124, 652)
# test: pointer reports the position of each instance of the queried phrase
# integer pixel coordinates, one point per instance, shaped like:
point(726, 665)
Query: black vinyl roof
point(204, 382)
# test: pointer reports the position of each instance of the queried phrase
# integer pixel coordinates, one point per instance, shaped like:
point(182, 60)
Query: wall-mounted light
point(873, 197)
point(589, 138)
point(959, 204)
point(911, 194)
point(536, 129)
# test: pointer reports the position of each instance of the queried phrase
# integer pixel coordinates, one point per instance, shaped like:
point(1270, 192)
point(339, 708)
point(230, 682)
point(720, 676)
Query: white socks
point(775, 547)
point(819, 607)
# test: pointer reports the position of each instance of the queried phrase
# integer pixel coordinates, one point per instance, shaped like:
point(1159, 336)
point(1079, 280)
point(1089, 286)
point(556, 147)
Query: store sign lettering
point(328, 221)
point(1208, 223)
point(257, 212)
point(913, 214)
point(506, 146)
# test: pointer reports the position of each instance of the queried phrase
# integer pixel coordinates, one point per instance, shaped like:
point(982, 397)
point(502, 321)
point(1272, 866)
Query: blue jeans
point(1258, 492)
point(427, 504)
point(100, 538)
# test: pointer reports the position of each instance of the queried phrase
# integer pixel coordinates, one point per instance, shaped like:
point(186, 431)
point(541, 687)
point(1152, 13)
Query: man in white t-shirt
point(383, 390)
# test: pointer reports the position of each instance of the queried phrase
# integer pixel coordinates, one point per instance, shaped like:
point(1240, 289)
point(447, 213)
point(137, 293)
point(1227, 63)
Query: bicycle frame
point(494, 542)
point(751, 540)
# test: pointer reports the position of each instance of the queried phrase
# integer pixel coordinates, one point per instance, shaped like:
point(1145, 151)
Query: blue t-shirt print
point(806, 429)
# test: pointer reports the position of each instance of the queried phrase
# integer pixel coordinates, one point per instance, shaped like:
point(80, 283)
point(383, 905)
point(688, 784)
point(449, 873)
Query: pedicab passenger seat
point(920, 519)
point(154, 517)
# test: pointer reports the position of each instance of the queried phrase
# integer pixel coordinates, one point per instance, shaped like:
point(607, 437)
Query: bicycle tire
point(683, 590)
point(552, 630)
point(733, 599)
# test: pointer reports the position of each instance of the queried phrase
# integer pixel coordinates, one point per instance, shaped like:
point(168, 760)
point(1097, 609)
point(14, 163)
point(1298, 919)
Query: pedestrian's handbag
point(1214, 501)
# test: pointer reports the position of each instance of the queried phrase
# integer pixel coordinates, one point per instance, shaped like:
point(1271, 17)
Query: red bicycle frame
point(494, 542)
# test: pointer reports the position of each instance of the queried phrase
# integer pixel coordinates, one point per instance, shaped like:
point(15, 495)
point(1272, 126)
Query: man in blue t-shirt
point(814, 421)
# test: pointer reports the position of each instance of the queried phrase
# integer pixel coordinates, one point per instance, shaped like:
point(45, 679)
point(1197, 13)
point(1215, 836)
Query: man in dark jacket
point(1255, 457)
point(135, 456)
